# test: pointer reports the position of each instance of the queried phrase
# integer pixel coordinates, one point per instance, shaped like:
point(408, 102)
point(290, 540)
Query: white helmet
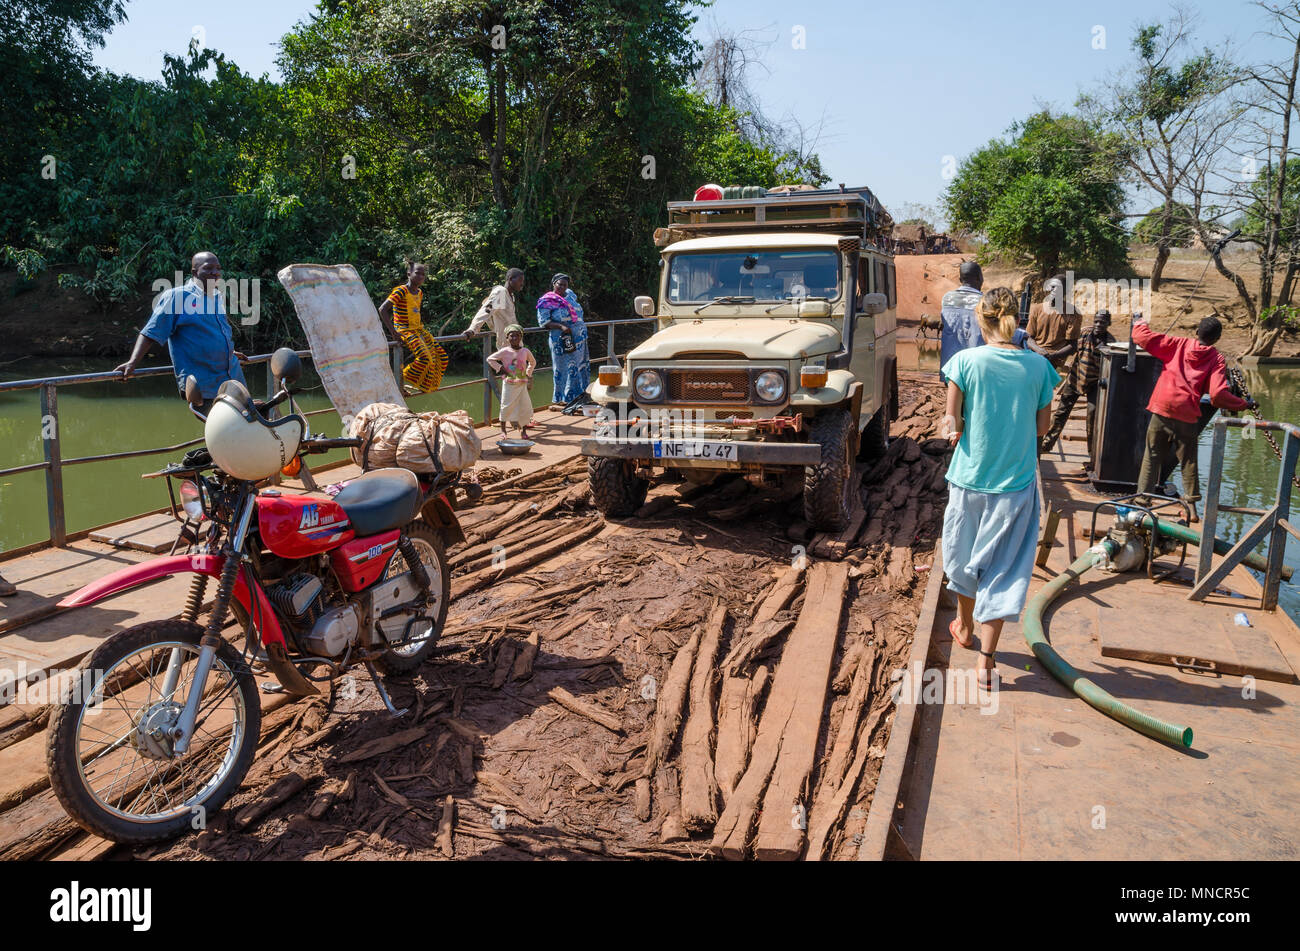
point(242, 442)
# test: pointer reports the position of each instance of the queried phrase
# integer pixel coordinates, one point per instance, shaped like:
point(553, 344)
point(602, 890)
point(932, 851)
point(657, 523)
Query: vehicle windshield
point(774, 275)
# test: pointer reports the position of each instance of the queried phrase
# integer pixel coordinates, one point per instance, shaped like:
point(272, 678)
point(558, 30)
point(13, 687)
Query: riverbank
point(1188, 293)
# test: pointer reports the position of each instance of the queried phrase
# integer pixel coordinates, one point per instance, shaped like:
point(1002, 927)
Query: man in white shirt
point(498, 308)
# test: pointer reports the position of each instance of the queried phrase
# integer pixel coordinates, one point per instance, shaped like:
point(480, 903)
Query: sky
point(903, 90)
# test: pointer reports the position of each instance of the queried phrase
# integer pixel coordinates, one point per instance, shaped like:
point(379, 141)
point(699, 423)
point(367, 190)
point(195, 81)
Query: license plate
point(694, 449)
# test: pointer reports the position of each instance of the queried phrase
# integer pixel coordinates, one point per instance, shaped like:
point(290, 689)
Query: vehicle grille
point(708, 386)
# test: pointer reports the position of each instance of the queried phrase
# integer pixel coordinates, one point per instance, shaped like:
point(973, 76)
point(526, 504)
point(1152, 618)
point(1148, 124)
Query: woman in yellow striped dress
point(402, 309)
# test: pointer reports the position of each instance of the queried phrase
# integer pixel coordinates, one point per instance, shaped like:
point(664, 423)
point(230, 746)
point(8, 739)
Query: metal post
point(54, 468)
point(395, 354)
point(1210, 523)
point(487, 376)
point(609, 341)
point(1281, 514)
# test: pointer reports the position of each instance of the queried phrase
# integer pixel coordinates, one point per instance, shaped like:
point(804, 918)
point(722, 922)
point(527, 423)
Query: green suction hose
point(1190, 535)
point(1059, 668)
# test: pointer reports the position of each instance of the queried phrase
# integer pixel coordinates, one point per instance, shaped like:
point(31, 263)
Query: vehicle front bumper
point(748, 452)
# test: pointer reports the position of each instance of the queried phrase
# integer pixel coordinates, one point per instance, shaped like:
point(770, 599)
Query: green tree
point(403, 128)
point(1172, 117)
point(48, 88)
point(1171, 225)
point(1049, 194)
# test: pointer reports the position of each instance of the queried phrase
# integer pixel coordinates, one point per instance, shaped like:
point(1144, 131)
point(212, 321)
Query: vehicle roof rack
point(846, 211)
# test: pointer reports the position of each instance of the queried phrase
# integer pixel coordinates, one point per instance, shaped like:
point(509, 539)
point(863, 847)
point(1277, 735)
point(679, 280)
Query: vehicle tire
point(894, 405)
point(828, 486)
point(433, 555)
point(123, 676)
point(615, 487)
point(875, 438)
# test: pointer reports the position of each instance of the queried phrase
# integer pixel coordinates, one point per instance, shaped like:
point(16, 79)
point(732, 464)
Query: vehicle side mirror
point(286, 365)
point(873, 304)
point(644, 306)
point(193, 395)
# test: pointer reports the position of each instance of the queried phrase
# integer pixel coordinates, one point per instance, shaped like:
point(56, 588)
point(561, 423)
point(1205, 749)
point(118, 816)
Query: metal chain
point(1238, 380)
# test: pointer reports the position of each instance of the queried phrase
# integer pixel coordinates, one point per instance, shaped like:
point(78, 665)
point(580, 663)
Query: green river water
point(101, 418)
point(114, 417)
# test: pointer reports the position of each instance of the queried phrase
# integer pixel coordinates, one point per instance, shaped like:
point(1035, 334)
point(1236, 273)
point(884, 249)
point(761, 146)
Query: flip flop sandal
point(987, 678)
point(953, 627)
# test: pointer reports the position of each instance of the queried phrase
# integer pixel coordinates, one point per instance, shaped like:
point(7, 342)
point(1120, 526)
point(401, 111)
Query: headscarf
point(551, 300)
point(511, 328)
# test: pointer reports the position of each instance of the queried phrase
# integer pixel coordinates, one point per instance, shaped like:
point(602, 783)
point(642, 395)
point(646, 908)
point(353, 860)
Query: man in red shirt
point(1191, 368)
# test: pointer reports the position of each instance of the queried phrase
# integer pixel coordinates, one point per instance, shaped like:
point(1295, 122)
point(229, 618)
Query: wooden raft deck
point(1042, 775)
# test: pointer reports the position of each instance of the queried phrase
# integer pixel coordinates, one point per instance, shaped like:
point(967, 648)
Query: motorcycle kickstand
point(383, 694)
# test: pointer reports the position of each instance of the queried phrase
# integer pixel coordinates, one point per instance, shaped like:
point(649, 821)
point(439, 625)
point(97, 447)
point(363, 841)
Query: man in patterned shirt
point(402, 309)
point(1081, 381)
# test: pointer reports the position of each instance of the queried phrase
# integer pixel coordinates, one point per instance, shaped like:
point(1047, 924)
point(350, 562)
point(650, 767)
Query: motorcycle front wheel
point(109, 750)
point(429, 547)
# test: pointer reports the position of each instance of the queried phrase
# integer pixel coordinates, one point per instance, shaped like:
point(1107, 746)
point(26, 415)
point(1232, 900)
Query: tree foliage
point(1049, 194)
point(1168, 107)
point(1176, 229)
point(543, 134)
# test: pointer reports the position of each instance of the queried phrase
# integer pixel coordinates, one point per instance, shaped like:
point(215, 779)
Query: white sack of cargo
point(426, 443)
point(347, 342)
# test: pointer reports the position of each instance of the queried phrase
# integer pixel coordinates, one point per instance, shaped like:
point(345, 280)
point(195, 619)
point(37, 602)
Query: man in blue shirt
point(191, 320)
point(960, 329)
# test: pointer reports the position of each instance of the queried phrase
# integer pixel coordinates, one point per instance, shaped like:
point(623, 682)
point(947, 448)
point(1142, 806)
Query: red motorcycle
point(171, 720)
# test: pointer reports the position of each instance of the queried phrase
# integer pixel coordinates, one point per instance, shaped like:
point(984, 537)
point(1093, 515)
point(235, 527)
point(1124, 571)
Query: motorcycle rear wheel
point(428, 544)
point(109, 760)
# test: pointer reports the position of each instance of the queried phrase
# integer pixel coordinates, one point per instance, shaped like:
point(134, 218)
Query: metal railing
point(54, 463)
point(1274, 522)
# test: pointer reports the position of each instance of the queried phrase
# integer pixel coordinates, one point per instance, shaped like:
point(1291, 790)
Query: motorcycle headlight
point(190, 500)
point(770, 386)
point(649, 385)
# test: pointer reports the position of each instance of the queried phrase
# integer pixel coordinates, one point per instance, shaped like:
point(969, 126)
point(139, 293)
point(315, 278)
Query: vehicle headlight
point(190, 500)
point(649, 385)
point(770, 386)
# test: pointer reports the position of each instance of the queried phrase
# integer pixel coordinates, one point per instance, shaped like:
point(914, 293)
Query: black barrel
point(1122, 415)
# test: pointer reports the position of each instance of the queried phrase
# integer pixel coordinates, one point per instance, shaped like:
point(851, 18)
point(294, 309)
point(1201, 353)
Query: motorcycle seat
point(381, 500)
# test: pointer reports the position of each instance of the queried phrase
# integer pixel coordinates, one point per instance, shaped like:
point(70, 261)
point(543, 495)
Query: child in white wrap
point(513, 364)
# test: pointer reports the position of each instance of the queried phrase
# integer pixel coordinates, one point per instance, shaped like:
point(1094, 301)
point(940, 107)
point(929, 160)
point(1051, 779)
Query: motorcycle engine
point(320, 629)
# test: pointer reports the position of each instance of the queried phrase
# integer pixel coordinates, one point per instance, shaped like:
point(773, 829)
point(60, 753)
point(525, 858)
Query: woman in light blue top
point(999, 404)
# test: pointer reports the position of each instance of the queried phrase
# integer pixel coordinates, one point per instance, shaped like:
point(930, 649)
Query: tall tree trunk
point(1162, 245)
point(1264, 336)
point(1287, 291)
point(497, 90)
point(1277, 194)
point(1158, 268)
